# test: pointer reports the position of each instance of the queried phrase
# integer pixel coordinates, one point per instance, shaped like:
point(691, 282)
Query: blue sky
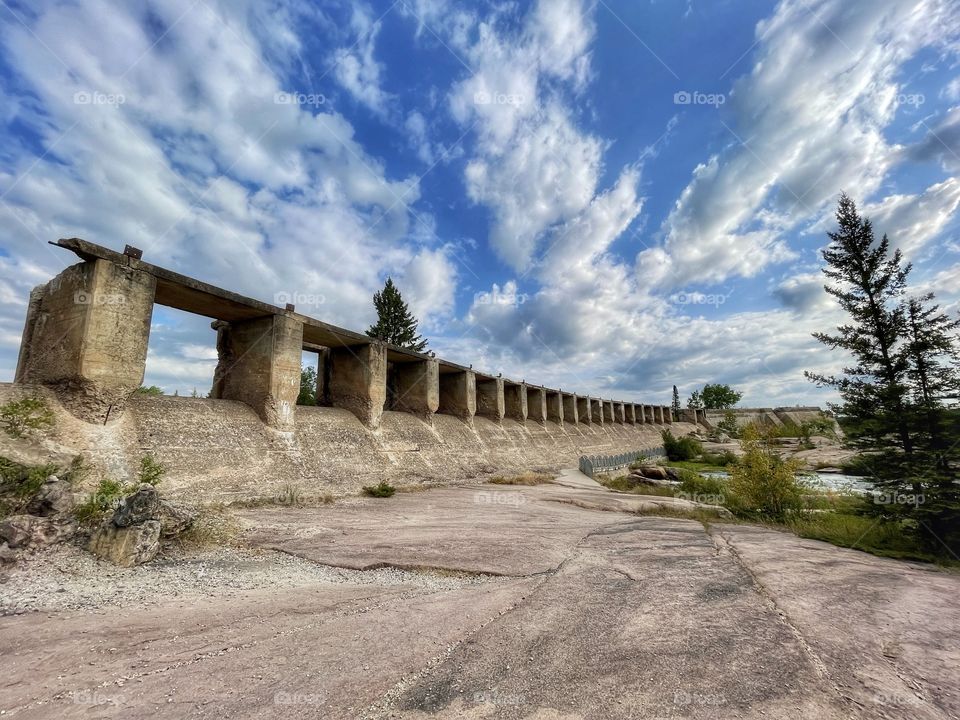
point(611, 198)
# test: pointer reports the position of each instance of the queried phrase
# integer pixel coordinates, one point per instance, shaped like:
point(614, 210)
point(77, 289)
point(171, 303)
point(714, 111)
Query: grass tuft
point(526, 478)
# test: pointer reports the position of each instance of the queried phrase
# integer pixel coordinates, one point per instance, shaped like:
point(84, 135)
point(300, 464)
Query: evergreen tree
point(869, 286)
point(676, 403)
point(395, 323)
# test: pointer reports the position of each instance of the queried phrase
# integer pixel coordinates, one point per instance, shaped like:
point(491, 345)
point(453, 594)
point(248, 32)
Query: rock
point(55, 497)
point(652, 482)
point(126, 546)
point(673, 474)
point(174, 519)
point(30, 531)
point(7, 555)
point(141, 506)
point(654, 472)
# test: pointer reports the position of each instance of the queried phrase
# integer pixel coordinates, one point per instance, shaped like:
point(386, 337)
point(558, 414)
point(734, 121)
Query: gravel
point(69, 578)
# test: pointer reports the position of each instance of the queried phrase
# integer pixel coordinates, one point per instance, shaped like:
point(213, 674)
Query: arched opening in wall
point(181, 354)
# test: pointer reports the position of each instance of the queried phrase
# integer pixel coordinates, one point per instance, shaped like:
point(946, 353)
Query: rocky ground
point(555, 601)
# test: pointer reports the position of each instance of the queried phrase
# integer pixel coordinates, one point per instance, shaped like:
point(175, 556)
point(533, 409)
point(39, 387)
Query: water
point(823, 481)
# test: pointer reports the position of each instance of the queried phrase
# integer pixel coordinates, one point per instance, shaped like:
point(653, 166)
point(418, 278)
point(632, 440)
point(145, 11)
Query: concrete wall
point(776, 417)
point(458, 394)
point(490, 399)
point(220, 450)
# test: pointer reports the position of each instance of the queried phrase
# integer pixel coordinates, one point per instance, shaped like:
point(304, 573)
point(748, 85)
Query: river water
point(825, 481)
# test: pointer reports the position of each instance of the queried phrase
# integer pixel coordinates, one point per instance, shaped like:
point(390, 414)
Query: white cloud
point(356, 68)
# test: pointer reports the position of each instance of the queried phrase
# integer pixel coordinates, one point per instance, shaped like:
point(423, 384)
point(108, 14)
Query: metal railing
point(590, 464)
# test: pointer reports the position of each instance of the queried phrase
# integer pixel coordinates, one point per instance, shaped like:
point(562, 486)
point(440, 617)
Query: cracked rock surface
point(485, 602)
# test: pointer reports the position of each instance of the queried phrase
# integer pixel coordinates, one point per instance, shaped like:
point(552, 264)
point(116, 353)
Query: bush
point(150, 470)
point(697, 484)
point(18, 417)
point(762, 483)
point(152, 390)
point(684, 448)
point(19, 483)
point(727, 457)
point(94, 510)
point(383, 489)
point(729, 424)
point(526, 478)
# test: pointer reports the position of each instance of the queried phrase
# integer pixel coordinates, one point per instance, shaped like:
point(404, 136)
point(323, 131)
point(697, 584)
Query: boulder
point(126, 546)
point(635, 479)
point(30, 531)
point(141, 506)
point(673, 474)
point(7, 554)
point(174, 519)
point(55, 497)
point(654, 472)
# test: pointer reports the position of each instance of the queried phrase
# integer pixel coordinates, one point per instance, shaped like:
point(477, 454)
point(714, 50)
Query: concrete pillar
point(259, 364)
point(648, 414)
point(458, 394)
point(630, 413)
point(668, 414)
point(596, 410)
point(638, 414)
point(323, 377)
point(584, 410)
point(515, 399)
point(569, 403)
point(358, 380)
point(555, 406)
point(658, 414)
point(489, 398)
point(688, 415)
point(608, 412)
point(619, 413)
point(86, 337)
point(537, 404)
point(417, 387)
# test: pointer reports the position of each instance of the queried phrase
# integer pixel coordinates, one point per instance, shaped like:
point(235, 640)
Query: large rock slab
point(30, 531)
point(126, 546)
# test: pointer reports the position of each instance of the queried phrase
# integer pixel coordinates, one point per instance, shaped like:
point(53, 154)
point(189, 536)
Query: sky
point(609, 198)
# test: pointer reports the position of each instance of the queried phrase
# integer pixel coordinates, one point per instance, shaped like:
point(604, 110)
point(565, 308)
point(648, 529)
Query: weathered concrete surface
point(458, 394)
point(86, 337)
point(358, 381)
point(490, 400)
point(515, 401)
point(418, 388)
point(605, 615)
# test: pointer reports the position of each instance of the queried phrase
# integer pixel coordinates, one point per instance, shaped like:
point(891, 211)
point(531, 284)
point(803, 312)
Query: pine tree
point(676, 403)
point(869, 286)
point(395, 323)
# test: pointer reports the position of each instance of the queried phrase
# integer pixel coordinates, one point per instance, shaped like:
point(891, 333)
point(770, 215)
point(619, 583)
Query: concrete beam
point(358, 380)
point(259, 364)
point(515, 399)
point(555, 407)
point(417, 387)
point(490, 399)
point(537, 404)
point(619, 413)
point(458, 394)
point(596, 410)
point(570, 411)
point(584, 410)
point(86, 337)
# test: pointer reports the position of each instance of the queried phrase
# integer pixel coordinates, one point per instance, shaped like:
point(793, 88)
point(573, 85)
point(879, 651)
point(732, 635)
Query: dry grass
point(214, 525)
point(526, 478)
point(287, 496)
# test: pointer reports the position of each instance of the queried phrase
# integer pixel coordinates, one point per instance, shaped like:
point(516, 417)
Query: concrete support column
point(417, 387)
point(515, 399)
point(490, 399)
point(458, 394)
point(619, 413)
point(648, 414)
point(608, 412)
point(259, 364)
point(668, 414)
point(584, 410)
point(596, 410)
point(630, 413)
point(323, 377)
point(570, 412)
point(688, 415)
point(658, 414)
point(537, 404)
point(86, 336)
point(555, 407)
point(358, 380)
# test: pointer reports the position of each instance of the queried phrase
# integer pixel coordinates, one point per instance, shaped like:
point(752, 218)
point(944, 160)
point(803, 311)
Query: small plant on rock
point(92, 511)
point(150, 470)
point(383, 489)
point(19, 417)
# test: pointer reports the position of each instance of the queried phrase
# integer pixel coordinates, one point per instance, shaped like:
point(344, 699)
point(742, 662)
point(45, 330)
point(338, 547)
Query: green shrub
point(18, 417)
point(95, 508)
point(526, 478)
point(684, 448)
point(697, 484)
point(19, 483)
point(729, 424)
point(383, 489)
point(150, 470)
point(727, 457)
point(152, 390)
point(762, 483)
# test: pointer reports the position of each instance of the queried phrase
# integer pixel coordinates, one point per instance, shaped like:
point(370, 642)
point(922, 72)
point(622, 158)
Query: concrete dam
point(383, 412)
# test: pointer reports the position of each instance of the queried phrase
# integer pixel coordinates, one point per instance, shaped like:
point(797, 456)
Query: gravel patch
point(69, 578)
